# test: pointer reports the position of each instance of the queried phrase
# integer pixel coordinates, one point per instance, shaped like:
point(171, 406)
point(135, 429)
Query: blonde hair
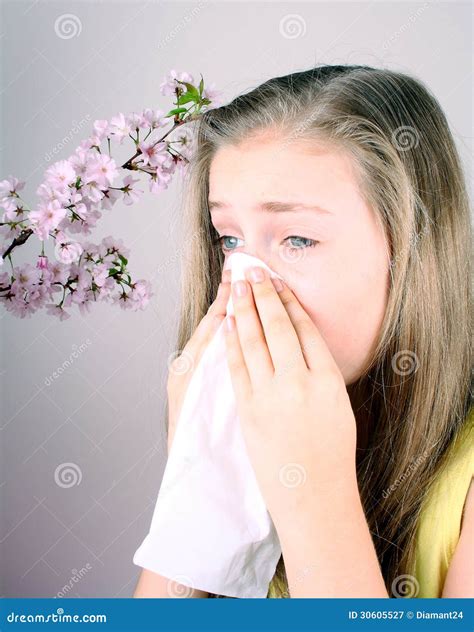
point(416, 388)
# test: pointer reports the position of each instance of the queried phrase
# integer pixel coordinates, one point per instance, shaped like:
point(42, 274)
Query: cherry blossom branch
point(72, 197)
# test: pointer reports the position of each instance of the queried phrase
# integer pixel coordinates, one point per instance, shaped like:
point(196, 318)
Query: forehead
point(261, 169)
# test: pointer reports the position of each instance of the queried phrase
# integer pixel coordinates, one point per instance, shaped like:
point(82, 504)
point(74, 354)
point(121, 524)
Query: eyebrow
point(274, 206)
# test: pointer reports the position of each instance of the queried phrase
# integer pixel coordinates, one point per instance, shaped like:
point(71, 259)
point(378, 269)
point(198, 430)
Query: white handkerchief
point(210, 529)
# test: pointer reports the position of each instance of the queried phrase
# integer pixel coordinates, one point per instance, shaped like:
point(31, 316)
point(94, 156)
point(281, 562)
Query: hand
point(295, 412)
point(182, 367)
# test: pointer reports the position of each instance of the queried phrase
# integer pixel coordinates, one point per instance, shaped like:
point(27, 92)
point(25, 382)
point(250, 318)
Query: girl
point(355, 374)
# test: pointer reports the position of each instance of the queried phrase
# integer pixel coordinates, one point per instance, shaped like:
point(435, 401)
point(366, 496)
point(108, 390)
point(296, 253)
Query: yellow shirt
point(439, 525)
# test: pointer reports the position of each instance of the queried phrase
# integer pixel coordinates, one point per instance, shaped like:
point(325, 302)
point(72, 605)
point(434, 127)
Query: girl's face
point(333, 254)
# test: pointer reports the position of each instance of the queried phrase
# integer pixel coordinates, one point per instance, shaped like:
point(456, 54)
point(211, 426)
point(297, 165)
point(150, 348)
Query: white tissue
point(210, 529)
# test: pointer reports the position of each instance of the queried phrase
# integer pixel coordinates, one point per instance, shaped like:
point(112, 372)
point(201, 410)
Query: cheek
point(347, 305)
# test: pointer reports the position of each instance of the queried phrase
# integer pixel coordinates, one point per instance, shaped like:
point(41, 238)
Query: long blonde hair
point(416, 389)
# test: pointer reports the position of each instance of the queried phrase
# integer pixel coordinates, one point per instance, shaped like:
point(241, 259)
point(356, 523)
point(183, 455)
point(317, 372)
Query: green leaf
point(113, 272)
point(190, 88)
point(123, 260)
point(176, 111)
point(201, 85)
point(186, 98)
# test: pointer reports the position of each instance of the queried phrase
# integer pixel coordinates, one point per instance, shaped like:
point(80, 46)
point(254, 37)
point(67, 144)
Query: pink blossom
point(10, 187)
point(68, 252)
point(120, 127)
point(115, 245)
point(26, 295)
point(100, 273)
point(213, 95)
point(154, 154)
point(85, 226)
point(19, 307)
point(169, 83)
point(56, 310)
point(84, 277)
point(80, 160)
point(10, 231)
point(92, 192)
point(49, 192)
point(25, 276)
point(102, 170)
point(9, 204)
point(46, 218)
point(81, 297)
point(183, 141)
point(61, 174)
point(136, 120)
point(42, 263)
point(140, 294)
point(159, 181)
point(109, 199)
point(14, 213)
point(154, 118)
point(107, 289)
point(101, 129)
point(58, 272)
point(130, 195)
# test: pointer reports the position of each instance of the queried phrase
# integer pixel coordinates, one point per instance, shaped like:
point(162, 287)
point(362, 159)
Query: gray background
point(104, 413)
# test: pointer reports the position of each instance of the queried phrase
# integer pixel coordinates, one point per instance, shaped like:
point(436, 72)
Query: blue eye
point(308, 243)
point(220, 240)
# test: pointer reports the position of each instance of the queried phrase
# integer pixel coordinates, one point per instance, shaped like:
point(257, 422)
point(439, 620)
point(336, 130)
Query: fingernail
point(257, 274)
point(278, 284)
point(239, 288)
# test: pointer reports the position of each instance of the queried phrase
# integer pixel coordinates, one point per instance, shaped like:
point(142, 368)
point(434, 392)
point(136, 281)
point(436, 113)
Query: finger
point(250, 334)
point(313, 346)
point(208, 324)
point(282, 339)
point(241, 382)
